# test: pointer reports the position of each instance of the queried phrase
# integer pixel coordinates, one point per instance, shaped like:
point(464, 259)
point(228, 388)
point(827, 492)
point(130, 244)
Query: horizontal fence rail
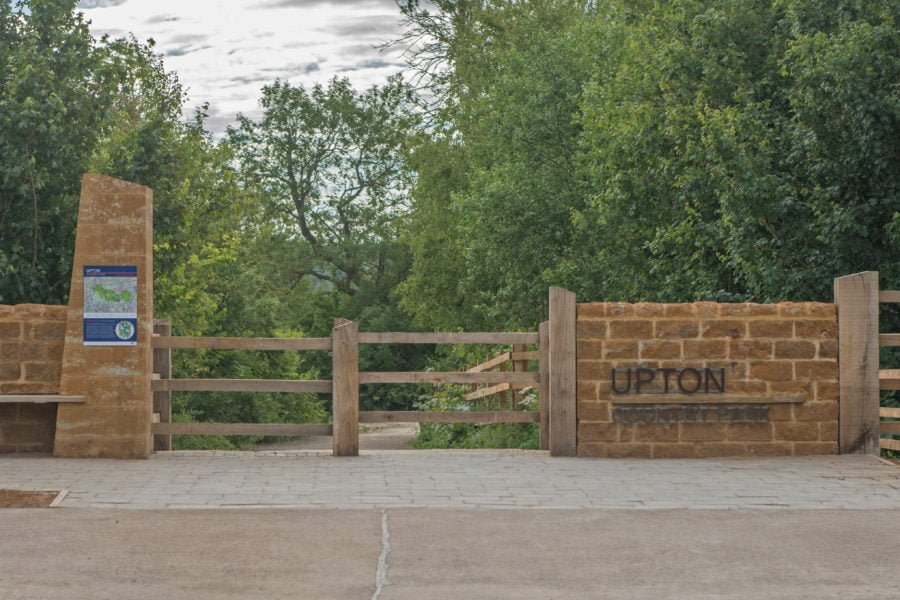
point(889, 339)
point(889, 379)
point(473, 417)
point(241, 385)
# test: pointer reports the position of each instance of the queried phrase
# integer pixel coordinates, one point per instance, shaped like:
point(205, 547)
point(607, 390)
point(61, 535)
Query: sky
point(225, 51)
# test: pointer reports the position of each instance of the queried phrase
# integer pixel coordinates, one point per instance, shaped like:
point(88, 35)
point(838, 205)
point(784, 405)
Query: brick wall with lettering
point(31, 347)
point(779, 363)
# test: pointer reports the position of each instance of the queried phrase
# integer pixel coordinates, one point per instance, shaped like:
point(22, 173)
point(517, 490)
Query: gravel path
point(380, 436)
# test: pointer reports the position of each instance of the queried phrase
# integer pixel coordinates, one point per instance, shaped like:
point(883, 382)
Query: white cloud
point(225, 51)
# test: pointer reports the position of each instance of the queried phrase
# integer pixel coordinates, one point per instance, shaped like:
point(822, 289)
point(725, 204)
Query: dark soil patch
point(20, 499)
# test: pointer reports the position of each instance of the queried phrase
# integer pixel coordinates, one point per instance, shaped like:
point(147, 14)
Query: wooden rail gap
point(268, 429)
point(447, 338)
point(474, 417)
point(230, 343)
point(241, 385)
point(446, 377)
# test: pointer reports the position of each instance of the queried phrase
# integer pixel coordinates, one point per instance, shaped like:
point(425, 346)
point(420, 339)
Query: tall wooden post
point(856, 298)
point(162, 366)
point(563, 426)
point(544, 362)
point(345, 388)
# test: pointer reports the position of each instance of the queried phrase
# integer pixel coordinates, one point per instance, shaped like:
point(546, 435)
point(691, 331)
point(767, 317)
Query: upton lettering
point(687, 380)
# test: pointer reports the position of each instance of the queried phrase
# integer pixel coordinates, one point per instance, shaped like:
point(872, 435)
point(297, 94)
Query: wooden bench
point(38, 398)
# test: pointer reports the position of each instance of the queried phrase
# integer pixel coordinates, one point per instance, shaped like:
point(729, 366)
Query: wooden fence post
point(544, 362)
point(856, 299)
point(345, 388)
point(162, 401)
point(519, 366)
point(563, 426)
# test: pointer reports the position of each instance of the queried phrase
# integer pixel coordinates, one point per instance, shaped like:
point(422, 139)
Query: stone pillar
point(115, 227)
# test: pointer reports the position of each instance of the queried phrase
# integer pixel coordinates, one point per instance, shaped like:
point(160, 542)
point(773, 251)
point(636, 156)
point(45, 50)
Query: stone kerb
point(776, 350)
point(115, 227)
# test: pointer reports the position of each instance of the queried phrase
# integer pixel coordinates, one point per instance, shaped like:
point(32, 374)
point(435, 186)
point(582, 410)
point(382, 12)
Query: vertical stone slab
point(115, 227)
point(563, 424)
point(856, 297)
point(345, 388)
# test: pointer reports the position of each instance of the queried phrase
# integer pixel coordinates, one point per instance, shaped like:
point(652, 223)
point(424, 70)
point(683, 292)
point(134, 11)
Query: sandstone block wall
point(765, 349)
point(31, 347)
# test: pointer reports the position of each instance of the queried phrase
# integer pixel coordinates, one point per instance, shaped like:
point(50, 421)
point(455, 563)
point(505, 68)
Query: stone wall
point(31, 347)
point(780, 365)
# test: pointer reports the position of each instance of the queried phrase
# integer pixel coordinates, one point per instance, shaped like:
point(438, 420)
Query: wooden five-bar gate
point(555, 379)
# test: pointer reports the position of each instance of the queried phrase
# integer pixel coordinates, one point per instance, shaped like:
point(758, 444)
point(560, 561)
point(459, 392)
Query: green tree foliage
point(492, 225)
point(715, 149)
point(53, 96)
point(747, 150)
point(328, 166)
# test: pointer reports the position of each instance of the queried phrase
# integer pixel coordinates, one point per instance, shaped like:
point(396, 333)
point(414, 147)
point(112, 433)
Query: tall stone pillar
point(115, 228)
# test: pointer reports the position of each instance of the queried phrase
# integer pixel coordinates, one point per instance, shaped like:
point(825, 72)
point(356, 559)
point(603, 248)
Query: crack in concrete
point(381, 578)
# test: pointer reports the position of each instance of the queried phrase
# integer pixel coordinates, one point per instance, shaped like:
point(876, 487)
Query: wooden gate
point(554, 345)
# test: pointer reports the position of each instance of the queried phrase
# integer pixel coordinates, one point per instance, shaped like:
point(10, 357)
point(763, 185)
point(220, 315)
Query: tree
point(493, 222)
point(746, 150)
point(53, 96)
point(329, 166)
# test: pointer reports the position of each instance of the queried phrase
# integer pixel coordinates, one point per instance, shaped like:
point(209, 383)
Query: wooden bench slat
point(39, 398)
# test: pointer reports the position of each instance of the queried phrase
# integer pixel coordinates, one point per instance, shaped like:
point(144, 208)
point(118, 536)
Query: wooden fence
point(556, 373)
point(861, 378)
point(889, 379)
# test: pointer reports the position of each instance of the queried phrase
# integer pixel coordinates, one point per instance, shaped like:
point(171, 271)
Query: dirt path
point(380, 436)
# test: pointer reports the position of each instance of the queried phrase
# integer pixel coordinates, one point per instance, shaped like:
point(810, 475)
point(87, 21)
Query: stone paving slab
point(458, 479)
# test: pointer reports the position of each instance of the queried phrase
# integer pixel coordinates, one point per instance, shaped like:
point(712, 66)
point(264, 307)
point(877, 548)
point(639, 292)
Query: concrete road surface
point(449, 553)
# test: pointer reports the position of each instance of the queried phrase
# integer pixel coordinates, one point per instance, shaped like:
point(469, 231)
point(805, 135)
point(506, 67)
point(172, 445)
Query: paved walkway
point(448, 554)
point(458, 479)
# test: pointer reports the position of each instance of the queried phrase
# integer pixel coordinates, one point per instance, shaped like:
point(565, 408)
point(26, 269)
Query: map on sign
point(110, 305)
point(108, 296)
